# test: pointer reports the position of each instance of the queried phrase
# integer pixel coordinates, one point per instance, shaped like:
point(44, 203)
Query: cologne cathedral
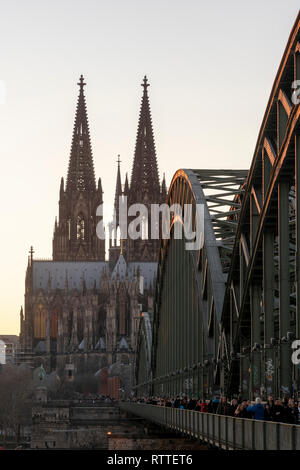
point(82, 310)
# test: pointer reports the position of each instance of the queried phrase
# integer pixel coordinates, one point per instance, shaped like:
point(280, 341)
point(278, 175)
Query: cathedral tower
point(75, 233)
point(144, 186)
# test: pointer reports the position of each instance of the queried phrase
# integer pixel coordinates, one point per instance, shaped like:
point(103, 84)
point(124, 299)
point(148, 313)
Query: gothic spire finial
point(31, 254)
point(145, 84)
point(81, 83)
point(81, 176)
point(144, 176)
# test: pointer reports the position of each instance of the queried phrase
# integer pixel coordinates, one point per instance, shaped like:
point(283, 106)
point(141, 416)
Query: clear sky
point(211, 66)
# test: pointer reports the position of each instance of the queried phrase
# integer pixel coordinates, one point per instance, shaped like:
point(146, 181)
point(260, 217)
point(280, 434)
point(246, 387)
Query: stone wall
point(153, 443)
point(63, 425)
point(56, 425)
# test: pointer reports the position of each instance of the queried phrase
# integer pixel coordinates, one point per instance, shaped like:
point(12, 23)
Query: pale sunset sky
point(211, 66)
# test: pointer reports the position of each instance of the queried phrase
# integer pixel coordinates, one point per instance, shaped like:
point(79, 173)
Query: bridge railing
point(225, 432)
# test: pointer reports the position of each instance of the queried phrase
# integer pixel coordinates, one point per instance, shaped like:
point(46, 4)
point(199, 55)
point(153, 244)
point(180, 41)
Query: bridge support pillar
point(268, 300)
point(297, 261)
point(255, 340)
point(284, 286)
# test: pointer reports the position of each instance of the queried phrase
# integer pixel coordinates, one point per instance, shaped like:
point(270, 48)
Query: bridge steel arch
point(261, 312)
point(191, 284)
point(143, 355)
point(225, 316)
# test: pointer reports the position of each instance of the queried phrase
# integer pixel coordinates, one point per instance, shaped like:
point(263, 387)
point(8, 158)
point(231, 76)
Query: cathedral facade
point(82, 310)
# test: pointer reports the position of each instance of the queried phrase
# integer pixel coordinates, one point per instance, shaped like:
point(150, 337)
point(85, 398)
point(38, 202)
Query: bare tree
point(15, 399)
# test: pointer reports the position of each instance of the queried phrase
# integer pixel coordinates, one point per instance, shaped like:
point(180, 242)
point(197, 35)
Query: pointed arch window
point(40, 322)
point(80, 227)
point(54, 324)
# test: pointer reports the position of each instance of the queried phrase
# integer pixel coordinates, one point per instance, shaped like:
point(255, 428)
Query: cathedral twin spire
point(81, 176)
point(75, 233)
point(144, 177)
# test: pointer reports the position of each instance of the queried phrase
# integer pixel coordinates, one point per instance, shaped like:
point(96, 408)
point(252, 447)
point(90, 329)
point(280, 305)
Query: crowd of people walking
point(279, 410)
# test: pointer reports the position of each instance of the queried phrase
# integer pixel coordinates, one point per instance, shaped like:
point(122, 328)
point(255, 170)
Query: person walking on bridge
point(223, 407)
point(257, 410)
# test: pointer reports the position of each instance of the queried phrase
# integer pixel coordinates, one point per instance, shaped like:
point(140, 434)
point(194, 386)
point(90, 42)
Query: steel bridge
point(224, 432)
point(226, 315)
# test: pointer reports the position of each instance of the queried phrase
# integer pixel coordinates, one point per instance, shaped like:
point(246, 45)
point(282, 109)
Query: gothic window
point(123, 313)
point(40, 322)
point(80, 228)
point(122, 319)
point(54, 322)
